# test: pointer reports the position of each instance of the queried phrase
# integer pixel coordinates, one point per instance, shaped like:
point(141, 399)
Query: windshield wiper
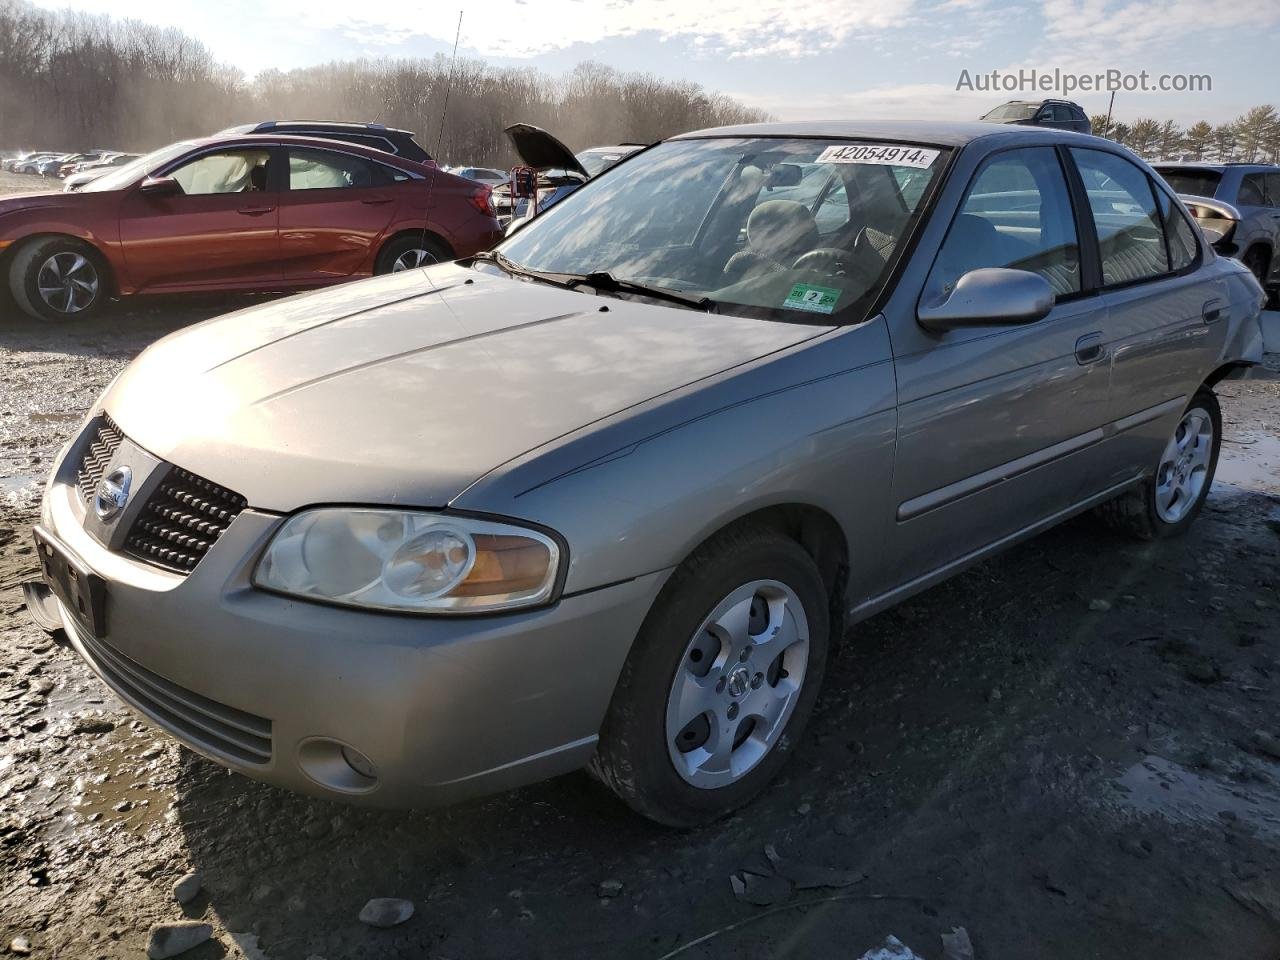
point(564, 280)
point(606, 281)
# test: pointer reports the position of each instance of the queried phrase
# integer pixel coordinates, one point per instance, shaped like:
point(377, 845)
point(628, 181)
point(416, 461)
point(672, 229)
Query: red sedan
point(248, 213)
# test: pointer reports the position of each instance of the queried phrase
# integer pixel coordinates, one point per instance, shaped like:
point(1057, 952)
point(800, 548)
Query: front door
point(996, 424)
point(333, 214)
point(219, 232)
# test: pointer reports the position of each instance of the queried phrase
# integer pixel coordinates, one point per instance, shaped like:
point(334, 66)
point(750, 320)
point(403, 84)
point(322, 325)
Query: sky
point(797, 59)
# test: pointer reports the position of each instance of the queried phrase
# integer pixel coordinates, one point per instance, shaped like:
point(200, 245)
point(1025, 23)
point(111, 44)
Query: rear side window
point(1017, 214)
point(1252, 190)
point(1130, 230)
point(321, 170)
point(1179, 233)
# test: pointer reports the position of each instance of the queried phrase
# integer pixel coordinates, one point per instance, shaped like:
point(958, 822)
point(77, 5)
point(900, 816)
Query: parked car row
point(64, 165)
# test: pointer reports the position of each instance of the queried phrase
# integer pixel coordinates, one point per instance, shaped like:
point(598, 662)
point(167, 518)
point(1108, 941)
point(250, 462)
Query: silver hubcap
point(68, 282)
point(1184, 468)
point(411, 259)
point(737, 684)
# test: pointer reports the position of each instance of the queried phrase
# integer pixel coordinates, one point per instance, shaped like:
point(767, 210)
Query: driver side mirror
point(160, 187)
point(990, 296)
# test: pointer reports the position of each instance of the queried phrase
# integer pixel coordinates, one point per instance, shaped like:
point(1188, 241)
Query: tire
point(395, 256)
point(1147, 512)
point(683, 648)
point(42, 269)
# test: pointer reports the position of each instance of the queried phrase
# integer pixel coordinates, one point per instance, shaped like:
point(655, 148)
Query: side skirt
point(876, 604)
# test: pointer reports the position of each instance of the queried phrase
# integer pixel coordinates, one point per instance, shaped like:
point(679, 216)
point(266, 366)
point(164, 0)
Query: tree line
point(1253, 137)
point(71, 81)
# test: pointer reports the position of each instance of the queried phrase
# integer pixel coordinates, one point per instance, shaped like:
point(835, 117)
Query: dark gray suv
point(1059, 114)
point(1244, 219)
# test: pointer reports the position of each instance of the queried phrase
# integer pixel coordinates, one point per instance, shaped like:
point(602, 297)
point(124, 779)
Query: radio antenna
point(444, 109)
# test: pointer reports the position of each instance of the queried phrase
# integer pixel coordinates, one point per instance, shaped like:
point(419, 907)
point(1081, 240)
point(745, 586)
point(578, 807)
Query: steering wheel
point(861, 261)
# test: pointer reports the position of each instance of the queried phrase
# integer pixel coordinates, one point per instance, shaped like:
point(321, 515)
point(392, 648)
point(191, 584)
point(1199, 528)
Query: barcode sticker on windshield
point(882, 154)
point(814, 299)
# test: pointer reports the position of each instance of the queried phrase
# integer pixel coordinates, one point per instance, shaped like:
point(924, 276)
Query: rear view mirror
point(784, 175)
point(160, 187)
point(1217, 220)
point(991, 296)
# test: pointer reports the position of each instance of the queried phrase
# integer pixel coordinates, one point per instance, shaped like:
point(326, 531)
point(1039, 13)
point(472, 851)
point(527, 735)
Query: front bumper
point(443, 708)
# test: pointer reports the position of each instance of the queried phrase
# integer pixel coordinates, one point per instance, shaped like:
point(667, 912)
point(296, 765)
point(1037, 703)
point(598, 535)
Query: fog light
point(337, 766)
point(358, 762)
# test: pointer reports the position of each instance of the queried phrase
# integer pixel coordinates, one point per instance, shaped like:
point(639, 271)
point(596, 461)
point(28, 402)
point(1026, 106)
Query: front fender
point(813, 426)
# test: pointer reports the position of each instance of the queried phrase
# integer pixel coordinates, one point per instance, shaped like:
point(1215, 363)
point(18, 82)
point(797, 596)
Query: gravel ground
point(1071, 751)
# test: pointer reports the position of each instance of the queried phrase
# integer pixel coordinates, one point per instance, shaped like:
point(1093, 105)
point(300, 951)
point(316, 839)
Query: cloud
point(510, 28)
point(1103, 29)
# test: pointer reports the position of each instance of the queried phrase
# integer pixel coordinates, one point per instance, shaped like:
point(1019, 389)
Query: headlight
point(409, 561)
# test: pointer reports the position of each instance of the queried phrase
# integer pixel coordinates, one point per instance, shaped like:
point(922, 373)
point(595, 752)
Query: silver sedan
point(607, 495)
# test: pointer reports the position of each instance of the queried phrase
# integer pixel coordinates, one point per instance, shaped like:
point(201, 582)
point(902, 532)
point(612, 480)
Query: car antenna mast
point(444, 109)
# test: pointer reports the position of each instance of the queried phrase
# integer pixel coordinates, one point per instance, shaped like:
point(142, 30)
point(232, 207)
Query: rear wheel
point(58, 278)
point(410, 252)
point(1167, 502)
point(720, 681)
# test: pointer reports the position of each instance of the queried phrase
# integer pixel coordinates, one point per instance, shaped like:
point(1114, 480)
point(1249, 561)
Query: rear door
point(997, 424)
point(1164, 316)
point(334, 209)
point(220, 231)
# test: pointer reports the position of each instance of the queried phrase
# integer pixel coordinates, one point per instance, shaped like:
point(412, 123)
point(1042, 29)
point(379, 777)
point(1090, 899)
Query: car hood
point(31, 201)
point(406, 389)
point(541, 150)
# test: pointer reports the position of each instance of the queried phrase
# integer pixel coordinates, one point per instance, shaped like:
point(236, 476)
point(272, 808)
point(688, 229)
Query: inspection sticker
point(814, 299)
point(881, 154)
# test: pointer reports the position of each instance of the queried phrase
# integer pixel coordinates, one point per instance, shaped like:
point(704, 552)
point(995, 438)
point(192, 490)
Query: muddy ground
point(1069, 751)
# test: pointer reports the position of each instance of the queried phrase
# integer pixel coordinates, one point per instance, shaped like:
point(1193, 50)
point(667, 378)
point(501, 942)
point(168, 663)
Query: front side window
point(322, 170)
point(1016, 214)
point(133, 170)
point(230, 171)
point(1130, 233)
point(744, 222)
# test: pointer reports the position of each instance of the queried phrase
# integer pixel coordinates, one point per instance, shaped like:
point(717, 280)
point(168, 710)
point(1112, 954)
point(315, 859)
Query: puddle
point(117, 789)
point(1250, 461)
point(1156, 785)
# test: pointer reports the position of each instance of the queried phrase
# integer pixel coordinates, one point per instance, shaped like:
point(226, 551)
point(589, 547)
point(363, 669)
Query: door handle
point(255, 211)
point(1090, 348)
point(1212, 310)
point(375, 200)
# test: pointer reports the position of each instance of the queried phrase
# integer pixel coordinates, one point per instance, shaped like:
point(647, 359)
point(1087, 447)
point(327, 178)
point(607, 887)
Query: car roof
point(939, 133)
point(1216, 167)
point(319, 143)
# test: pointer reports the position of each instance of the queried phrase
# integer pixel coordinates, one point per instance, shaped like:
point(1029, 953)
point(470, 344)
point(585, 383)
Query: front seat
point(778, 232)
point(258, 178)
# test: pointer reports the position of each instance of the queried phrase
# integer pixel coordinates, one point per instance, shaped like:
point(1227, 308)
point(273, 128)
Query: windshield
point(1013, 111)
point(124, 176)
point(787, 229)
point(1200, 183)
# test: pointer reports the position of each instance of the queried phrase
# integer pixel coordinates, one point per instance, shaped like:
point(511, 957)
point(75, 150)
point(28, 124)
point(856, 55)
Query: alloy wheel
point(1184, 467)
point(68, 282)
point(412, 259)
point(737, 684)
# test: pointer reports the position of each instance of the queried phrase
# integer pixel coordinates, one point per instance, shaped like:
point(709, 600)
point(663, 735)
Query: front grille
point(102, 447)
point(181, 520)
point(196, 719)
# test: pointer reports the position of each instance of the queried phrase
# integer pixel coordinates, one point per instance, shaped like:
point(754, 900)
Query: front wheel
point(1168, 501)
point(58, 279)
point(720, 681)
